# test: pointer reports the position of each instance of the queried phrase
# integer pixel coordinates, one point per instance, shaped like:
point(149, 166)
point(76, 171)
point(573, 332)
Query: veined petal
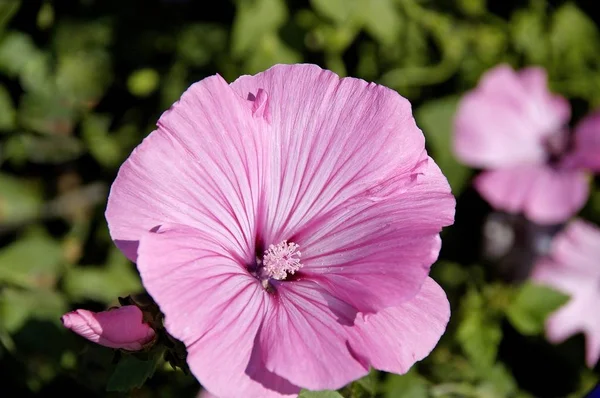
point(395, 338)
point(213, 306)
point(199, 168)
point(303, 338)
point(331, 141)
point(376, 252)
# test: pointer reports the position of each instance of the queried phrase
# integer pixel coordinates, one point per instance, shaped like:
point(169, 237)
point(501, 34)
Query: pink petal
point(573, 268)
point(575, 316)
point(213, 306)
point(504, 120)
point(200, 167)
point(544, 194)
point(377, 252)
point(395, 338)
point(332, 141)
point(578, 248)
point(303, 338)
point(121, 327)
point(586, 153)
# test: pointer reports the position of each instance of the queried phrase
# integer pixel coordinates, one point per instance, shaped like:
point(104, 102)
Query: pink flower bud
point(121, 327)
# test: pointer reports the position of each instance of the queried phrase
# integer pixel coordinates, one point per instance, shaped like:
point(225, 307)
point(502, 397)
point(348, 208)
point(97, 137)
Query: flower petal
point(578, 248)
point(395, 338)
point(574, 316)
point(545, 195)
point(376, 253)
point(331, 140)
point(200, 167)
point(586, 153)
point(213, 306)
point(303, 338)
point(504, 120)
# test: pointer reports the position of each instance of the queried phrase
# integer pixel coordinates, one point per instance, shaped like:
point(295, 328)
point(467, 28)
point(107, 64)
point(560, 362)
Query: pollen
point(282, 260)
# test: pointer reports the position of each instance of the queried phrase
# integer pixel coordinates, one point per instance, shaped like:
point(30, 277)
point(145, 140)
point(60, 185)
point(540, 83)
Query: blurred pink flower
point(121, 327)
point(515, 128)
point(286, 224)
point(573, 267)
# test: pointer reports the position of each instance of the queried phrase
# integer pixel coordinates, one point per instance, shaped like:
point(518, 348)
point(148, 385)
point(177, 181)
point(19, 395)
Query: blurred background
point(82, 82)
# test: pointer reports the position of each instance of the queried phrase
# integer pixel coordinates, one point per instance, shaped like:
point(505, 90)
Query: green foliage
point(532, 305)
point(132, 372)
point(319, 394)
point(7, 111)
point(479, 331)
point(409, 385)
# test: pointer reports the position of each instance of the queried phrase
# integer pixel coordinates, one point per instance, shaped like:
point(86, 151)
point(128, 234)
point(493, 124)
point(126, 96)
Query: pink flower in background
point(285, 224)
point(121, 327)
point(515, 128)
point(573, 267)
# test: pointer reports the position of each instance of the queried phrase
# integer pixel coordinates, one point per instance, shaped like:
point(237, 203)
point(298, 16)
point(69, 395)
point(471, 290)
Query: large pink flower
point(286, 224)
point(573, 267)
point(515, 128)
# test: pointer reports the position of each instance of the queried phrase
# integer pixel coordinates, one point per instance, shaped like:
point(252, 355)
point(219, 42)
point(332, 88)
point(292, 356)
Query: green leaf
point(132, 372)
point(339, 11)
point(472, 7)
point(17, 306)
point(532, 305)
point(253, 20)
point(497, 382)
point(20, 200)
point(319, 394)
point(479, 331)
point(46, 149)
point(8, 8)
point(382, 20)
point(436, 120)
point(369, 382)
point(46, 113)
point(72, 37)
point(529, 35)
point(270, 51)
point(143, 82)
point(103, 284)
point(574, 39)
point(33, 261)
point(409, 385)
point(16, 51)
point(7, 111)
point(83, 77)
point(197, 43)
point(45, 17)
point(105, 148)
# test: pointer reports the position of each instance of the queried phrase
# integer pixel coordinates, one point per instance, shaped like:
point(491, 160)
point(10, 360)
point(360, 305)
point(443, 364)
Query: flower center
point(557, 145)
point(280, 260)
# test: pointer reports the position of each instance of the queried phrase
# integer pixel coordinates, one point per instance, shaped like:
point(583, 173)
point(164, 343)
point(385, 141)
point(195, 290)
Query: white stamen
point(281, 260)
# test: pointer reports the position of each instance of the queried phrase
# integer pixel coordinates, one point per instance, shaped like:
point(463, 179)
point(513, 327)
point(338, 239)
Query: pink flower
point(121, 327)
point(515, 128)
point(285, 224)
point(573, 267)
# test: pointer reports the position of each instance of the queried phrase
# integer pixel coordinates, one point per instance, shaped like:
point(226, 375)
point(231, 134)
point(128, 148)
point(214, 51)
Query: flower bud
point(121, 327)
